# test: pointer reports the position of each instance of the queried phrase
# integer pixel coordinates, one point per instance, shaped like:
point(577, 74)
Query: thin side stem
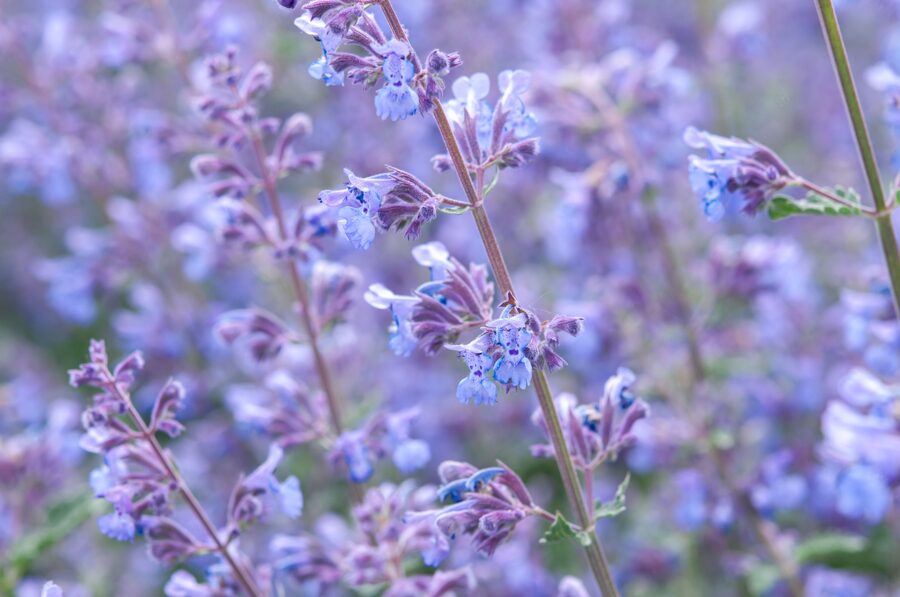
point(240, 574)
point(302, 295)
point(596, 557)
point(887, 236)
point(811, 186)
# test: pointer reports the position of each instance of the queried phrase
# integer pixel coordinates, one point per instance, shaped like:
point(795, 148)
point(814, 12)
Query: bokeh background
point(105, 233)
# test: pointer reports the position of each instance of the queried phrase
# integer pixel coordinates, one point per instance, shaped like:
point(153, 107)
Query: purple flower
point(322, 69)
point(487, 504)
point(261, 491)
point(735, 171)
point(477, 387)
point(513, 368)
point(358, 205)
point(400, 334)
point(863, 494)
point(352, 449)
point(396, 100)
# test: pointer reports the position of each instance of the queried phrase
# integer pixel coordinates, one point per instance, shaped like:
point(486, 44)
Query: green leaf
point(617, 505)
point(562, 529)
point(63, 518)
point(874, 554)
point(784, 206)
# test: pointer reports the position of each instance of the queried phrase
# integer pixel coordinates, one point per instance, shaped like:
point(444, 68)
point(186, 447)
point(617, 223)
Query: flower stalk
point(240, 574)
point(831, 30)
point(474, 195)
point(302, 295)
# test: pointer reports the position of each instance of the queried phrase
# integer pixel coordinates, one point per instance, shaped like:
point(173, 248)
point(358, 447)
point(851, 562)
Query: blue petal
point(411, 455)
point(479, 479)
point(117, 526)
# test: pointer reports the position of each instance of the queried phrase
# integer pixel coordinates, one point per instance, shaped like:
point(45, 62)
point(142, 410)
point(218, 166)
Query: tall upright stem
point(594, 551)
point(241, 575)
point(302, 295)
point(886, 234)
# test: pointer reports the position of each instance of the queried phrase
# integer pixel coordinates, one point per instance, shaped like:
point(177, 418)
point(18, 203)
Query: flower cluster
point(377, 551)
point(492, 136)
point(455, 299)
point(734, 171)
point(861, 447)
point(392, 200)
point(485, 503)
point(597, 432)
point(407, 88)
point(139, 478)
point(358, 450)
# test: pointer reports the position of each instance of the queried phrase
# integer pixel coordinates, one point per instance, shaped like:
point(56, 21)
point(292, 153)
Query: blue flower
point(618, 387)
point(453, 490)
point(411, 455)
point(863, 494)
point(358, 202)
point(513, 368)
point(477, 387)
point(470, 94)
point(408, 454)
point(118, 525)
point(482, 477)
point(321, 69)
point(286, 495)
point(290, 497)
point(436, 258)
point(733, 169)
point(519, 120)
point(401, 338)
point(396, 100)
point(357, 456)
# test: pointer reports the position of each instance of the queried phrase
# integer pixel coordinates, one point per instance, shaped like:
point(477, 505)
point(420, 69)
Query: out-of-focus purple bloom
point(863, 494)
point(823, 582)
point(260, 491)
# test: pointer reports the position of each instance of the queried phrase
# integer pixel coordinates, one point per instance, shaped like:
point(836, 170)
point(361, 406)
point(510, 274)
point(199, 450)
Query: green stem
point(886, 234)
point(594, 551)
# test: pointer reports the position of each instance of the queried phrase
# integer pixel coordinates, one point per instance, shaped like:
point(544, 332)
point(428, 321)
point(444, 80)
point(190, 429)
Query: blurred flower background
point(766, 353)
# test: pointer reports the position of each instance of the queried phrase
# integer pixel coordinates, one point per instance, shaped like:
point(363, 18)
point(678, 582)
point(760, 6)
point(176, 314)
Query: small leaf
point(617, 505)
point(562, 529)
point(784, 206)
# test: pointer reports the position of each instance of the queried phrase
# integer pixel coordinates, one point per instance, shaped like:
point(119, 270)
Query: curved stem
point(242, 576)
point(594, 551)
point(886, 234)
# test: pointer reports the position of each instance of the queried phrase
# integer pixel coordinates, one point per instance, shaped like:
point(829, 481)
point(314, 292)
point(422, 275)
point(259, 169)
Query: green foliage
point(784, 206)
point(63, 518)
point(875, 554)
point(617, 505)
point(562, 529)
